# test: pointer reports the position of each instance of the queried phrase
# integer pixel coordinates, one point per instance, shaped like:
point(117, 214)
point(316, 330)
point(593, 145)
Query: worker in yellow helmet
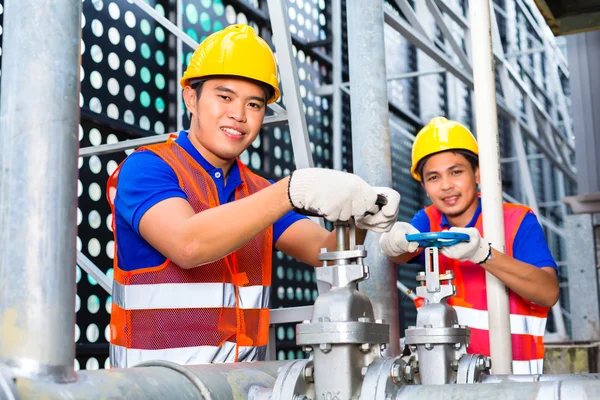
point(195, 228)
point(445, 161)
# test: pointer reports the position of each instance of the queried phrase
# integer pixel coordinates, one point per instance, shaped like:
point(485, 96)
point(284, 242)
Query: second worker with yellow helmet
point(195, 229)
point(445, 162)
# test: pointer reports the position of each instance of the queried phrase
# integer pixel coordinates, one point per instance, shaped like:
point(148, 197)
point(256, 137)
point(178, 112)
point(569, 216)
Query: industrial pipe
point(371, 145)
point(563, 390)
point(157, 380)
point(491, 180)
point(39, 119)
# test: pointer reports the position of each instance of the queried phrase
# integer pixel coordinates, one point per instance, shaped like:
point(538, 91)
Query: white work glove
point(383, 220)
point(476, 250)
point(394, 243)
point(335, 195)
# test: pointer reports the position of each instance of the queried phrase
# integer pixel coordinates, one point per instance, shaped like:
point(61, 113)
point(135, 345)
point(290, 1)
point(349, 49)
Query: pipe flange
point(342, 333)
point(418, 336)
point(383, 378)
point(473, 368)
point(295, 380)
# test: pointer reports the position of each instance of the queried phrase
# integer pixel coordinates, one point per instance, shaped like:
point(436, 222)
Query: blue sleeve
point(284, 222)
point(530, 245)
point(144, 180)
point(421, 222)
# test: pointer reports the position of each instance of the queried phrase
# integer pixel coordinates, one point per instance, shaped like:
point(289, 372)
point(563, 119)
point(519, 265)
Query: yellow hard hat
point(440, 134)
point(237, 51)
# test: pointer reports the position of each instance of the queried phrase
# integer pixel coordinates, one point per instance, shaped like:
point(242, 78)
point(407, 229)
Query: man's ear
point(189, 98)
point(477, 179)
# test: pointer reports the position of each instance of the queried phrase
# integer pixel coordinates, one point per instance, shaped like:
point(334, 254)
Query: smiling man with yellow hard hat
point(195, 229)
point(445, 162)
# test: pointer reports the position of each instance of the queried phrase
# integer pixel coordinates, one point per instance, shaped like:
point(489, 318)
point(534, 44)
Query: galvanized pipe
point(540, 378)
point(158, 380)
point(491, 180)
point(565, 390)
point(39, 116)
point(371, 145)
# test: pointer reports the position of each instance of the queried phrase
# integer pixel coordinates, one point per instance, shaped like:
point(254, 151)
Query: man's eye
point(224, 97)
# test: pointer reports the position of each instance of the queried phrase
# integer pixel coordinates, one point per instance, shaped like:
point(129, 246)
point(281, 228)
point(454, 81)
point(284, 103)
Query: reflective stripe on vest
point(188, 295)
point(528, 367)
point(527, 320)
point(217, 312)
point(122, 357)
point(519, 324)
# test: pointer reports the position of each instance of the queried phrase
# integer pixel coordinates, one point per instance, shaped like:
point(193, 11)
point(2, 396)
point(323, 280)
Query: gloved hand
point(335, 195)
point(475, 250)
point(394, 243)
point(383, 220)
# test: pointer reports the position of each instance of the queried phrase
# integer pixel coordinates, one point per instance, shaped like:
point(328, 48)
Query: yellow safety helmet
point(237, 51)
point(440, 134)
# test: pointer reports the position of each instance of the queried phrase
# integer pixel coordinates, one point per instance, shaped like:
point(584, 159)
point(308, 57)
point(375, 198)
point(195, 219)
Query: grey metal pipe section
point(540, 378)
point(371, 145)
point(39, 117)
point(159, 380)
point(565, 390)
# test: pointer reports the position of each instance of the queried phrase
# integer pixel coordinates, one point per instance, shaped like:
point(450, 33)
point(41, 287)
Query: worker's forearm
point(215, 233)
point(531, 283)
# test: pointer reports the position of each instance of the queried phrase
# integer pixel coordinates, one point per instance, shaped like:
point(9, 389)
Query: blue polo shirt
point(529, 246)
point(145, 180)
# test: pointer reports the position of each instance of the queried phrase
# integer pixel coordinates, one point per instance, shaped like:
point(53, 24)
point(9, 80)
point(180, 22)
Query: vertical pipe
point(39, 116)
point(371, 144)
point(491, 181)
point(336, 22)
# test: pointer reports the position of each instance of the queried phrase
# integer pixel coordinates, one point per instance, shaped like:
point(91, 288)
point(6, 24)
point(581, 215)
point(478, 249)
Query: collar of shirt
point(446, 224)
point(226, 189)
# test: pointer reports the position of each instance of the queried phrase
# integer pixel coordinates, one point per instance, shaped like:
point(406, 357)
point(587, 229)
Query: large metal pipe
point(491, 180)
point(371, 144)
point(39, 116)
point(565, 390)
point(158, 380)
point(540, 378)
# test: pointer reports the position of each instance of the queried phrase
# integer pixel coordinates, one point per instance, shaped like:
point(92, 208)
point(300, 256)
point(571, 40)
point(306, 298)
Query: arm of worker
point(304, 239)
point(191, 239)
point(537, 282)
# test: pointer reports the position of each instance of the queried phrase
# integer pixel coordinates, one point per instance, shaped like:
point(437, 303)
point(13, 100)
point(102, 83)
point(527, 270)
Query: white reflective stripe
point(528, 367)
point(477, 319)
point(254, 296)
point(188, 295)
point(122, 357)
point(519, 324)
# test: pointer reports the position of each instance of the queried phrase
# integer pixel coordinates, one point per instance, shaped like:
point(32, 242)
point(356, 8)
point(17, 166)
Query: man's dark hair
point(199, 83)
point(470, 156)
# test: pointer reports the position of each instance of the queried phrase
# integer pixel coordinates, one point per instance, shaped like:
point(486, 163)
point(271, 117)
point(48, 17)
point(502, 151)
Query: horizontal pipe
point(158, 380)
point(540, 378)
point(563, 390)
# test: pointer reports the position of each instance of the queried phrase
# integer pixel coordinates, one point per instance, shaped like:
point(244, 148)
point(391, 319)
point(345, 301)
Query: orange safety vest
point(217, 312)
point(527, 320)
